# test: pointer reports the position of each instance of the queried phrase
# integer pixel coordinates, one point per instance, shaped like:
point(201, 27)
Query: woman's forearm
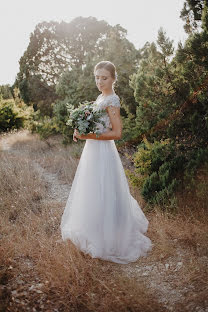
point(109, 135)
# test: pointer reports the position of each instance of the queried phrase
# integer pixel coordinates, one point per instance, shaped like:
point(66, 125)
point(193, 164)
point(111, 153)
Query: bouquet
point(85, 118)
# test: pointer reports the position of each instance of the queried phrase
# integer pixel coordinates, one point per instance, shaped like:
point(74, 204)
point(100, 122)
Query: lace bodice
point(102, 103)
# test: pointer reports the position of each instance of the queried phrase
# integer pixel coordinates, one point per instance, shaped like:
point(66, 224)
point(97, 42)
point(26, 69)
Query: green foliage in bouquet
point(86, 119)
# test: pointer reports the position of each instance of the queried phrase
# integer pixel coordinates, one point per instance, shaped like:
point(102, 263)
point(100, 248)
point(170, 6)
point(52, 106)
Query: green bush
point(46, 126)
point(43, 125)
point(161, 167)
point(156, 168)
point(196, 158)
point(11, 116)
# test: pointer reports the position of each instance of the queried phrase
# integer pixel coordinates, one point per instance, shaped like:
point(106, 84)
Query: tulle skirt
point(101, 217)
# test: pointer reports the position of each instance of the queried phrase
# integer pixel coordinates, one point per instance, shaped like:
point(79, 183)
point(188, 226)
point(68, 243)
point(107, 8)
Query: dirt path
point(57, 190)
point(161, 276)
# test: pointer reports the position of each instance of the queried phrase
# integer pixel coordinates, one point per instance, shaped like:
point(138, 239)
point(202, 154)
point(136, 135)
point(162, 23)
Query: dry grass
point(39, 272)
point(180, 241)
point(32, 252)
point(69, 278)
point(50, 153)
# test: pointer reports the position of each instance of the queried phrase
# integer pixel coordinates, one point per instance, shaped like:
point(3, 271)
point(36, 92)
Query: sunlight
point(141, 20)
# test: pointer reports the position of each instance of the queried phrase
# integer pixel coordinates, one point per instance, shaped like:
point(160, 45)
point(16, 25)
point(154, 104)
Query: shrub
point(156, 167)
point(43, 125)
point(161, 166)
point(11, 116)
point(46, 126)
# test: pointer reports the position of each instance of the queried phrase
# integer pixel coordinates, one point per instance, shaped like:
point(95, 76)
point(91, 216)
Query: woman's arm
point(114, 134)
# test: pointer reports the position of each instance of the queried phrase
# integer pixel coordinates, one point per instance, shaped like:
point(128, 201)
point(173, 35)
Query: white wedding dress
point(101, 217)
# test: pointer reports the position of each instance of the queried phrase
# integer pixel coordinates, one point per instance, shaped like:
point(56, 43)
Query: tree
point(172, 107)
point(157, 85)
point(54, 48)
point(6, 92)
point(191, 14)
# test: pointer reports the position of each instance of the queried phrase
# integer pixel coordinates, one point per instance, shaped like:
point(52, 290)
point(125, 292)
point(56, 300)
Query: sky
point(141, 18)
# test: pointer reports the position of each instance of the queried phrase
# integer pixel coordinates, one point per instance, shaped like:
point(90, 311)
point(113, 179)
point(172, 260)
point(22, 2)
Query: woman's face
point(104, 80)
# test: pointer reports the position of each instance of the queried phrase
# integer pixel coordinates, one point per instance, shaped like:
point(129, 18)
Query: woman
point(101, 217)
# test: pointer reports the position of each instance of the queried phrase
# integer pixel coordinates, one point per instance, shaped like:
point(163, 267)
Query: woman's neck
point(108, 93)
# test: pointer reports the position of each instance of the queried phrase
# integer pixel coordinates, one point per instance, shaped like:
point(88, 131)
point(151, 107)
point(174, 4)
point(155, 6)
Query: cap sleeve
point(113, 101)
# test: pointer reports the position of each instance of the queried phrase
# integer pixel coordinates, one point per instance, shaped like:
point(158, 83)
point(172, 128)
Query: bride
point(101, 217)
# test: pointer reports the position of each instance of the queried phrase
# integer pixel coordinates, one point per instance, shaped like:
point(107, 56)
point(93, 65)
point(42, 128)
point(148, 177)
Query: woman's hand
point(79, 136)
point(74, 136)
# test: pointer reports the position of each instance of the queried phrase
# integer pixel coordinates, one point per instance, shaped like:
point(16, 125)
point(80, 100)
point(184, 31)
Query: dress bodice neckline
point(104, 97)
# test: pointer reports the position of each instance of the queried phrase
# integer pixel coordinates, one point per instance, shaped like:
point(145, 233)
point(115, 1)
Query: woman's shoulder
point(113, 100)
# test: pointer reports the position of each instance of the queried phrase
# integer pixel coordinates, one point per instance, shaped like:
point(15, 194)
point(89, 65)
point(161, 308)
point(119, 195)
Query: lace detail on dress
point(109, 100)
point(102, 103)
